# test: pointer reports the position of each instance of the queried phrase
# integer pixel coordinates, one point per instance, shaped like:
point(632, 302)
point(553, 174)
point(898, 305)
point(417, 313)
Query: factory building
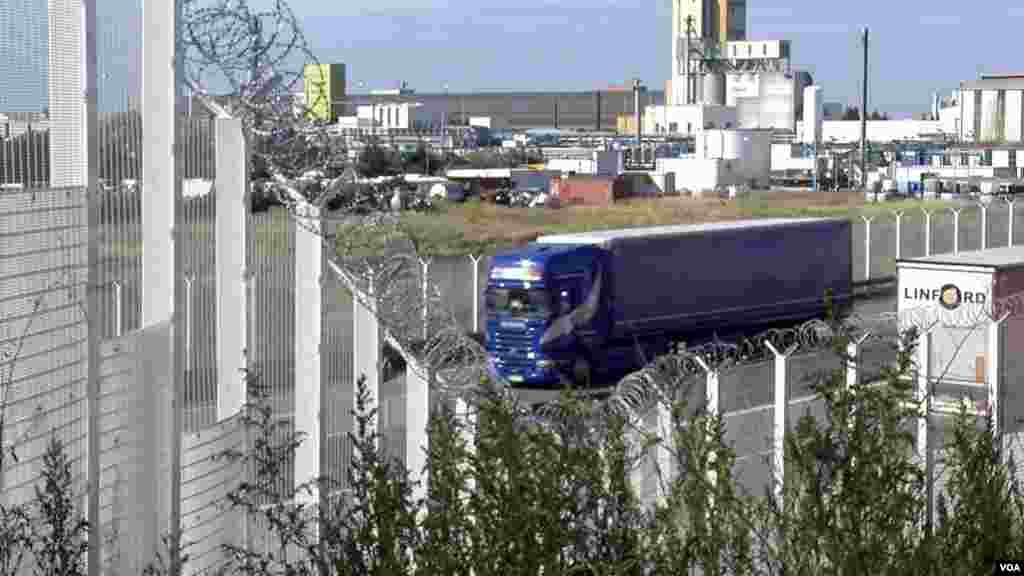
point(987, 110)
point(720, 79)
point(701, 26)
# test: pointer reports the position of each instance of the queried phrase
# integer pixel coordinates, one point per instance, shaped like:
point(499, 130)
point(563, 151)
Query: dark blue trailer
point(598, 304)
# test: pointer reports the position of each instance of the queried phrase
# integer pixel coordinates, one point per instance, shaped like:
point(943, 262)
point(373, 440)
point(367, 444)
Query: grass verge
point(475, 227)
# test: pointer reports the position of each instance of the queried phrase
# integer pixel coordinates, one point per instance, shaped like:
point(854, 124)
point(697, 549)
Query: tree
point(376, 161)
point(875, 115)
point(60, 540)
point(851, 113)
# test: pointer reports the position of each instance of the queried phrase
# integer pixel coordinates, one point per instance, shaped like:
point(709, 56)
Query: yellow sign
point(324, 86)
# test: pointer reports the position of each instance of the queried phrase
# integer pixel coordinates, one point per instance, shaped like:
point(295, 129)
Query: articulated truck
point(588, 307)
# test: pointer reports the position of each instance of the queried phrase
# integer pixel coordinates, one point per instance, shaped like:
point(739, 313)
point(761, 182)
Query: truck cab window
point(518, 302)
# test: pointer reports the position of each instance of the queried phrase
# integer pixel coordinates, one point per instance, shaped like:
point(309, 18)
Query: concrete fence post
point(867, 246)
point(780, 417)
point(417, 416)
point(956, 229)
point(118, 310)
point(899, 233)
point(712, 395)
point(189, 310)
point(995, 337)
point(425, 284)
point(927, 232)
point(924, 356)
point(476, 291)
point(983, 210)
point(1010, 205)
point(923, 394)
point(664, 469)
point(366, 344)
point(853, 350)
point(467, 418)
point(163, 106)
point(308, 303)
point(233, 298)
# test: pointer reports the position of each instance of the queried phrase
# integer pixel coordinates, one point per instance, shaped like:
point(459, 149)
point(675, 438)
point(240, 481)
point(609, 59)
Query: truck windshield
point(518, 302)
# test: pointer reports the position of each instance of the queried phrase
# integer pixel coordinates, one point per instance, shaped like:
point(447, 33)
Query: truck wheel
point(581, 372)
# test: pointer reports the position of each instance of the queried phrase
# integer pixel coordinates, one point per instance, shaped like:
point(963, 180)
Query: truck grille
point(512, 347)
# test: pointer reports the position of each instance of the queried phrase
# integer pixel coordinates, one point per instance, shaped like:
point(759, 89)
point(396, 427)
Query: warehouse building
point(590, 110)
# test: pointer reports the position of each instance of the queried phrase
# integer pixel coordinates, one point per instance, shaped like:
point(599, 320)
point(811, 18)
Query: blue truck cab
point(593, 306)
point(528, 291)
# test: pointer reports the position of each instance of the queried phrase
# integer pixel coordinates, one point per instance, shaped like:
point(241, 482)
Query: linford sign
point(953, 298)
point(949, 296)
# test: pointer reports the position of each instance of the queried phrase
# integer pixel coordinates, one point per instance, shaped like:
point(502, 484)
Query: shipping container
point(956, 295)
point(584, 190)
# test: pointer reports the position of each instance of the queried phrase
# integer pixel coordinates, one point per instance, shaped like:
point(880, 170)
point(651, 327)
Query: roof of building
point(603, 236)
point(994, 83)
point(1002, 75)
point(1005, 257)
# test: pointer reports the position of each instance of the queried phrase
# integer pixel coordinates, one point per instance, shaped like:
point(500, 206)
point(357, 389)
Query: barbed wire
point(256, 58)
point(375, 254)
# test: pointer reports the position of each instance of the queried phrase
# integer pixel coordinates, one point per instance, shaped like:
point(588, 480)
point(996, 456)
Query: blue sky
point(918, 46)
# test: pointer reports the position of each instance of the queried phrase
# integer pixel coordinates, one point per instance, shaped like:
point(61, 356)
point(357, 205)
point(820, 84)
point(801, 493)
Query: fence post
point(923, 446)
point(425, 264)
point(780, 417)
point(927, 232)
point(1010, 204)
point(712, 395)
point(853, 361)
point(163, 224)
point(899, 233)
point(467, 417)
point(308, 303)
point(867, 246)
point(995, 351)
point(94, 333)
point(366, 344)
point(417, 415)
point(189, 280)
point(956, 229)
point(476, 291)
point(983, 209)
point(231, 231)
point(118, 309)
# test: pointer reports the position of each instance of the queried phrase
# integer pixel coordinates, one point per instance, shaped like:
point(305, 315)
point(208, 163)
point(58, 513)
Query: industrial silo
point(714, 89)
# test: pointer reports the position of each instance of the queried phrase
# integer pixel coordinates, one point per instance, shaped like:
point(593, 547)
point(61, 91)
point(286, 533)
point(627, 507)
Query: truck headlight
point(545, 363)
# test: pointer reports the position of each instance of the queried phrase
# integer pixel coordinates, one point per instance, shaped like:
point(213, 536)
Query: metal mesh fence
point(337, 378)
point(271, 260)
point(200, 211)
point(43, 234)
